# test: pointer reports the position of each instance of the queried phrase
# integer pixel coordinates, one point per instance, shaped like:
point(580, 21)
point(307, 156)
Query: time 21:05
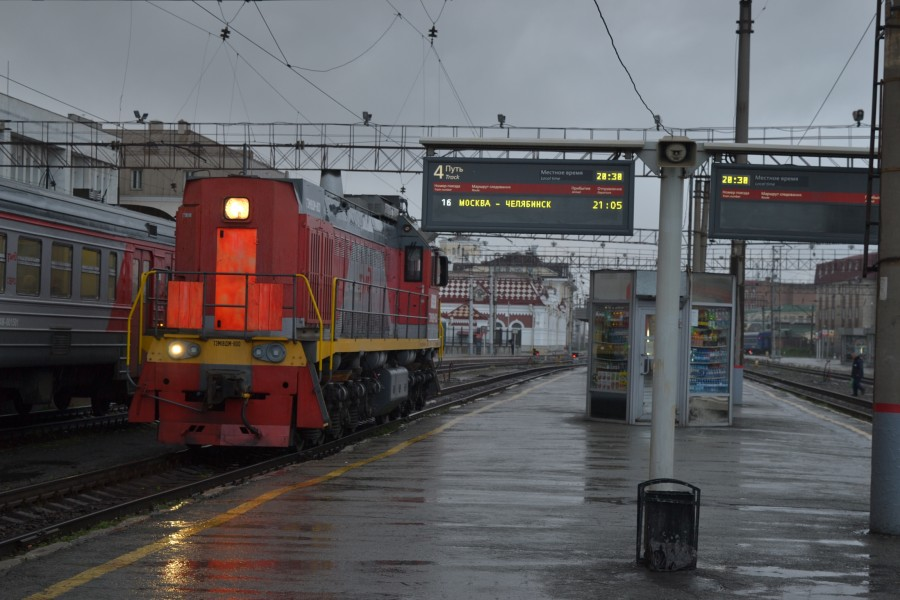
point(607, 205)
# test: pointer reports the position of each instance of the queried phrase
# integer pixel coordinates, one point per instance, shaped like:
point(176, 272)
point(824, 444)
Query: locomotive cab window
point(413, 262)
point(440, 269)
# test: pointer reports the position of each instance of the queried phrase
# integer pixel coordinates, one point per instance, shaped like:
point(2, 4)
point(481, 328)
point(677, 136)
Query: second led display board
point(788, 203)
point(528, 196)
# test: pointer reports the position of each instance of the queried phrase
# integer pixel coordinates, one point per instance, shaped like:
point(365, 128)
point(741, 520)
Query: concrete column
point(884, 515)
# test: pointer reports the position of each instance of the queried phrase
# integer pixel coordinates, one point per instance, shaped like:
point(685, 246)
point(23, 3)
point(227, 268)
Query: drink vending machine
point(711, 346)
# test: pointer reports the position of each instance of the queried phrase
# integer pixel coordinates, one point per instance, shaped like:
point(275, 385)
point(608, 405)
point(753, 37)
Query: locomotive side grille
point(60, 342)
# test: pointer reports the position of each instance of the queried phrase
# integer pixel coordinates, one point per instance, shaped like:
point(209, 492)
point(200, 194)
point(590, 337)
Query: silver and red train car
point(293, 315)
point(69, 271)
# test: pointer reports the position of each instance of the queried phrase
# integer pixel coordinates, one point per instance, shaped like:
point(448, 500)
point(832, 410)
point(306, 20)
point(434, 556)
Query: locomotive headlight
point(273, 353)
point(179, 349)
point(237, 209)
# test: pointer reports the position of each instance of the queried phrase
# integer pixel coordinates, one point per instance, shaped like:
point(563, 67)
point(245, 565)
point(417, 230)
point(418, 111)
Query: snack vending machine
point(710, 378)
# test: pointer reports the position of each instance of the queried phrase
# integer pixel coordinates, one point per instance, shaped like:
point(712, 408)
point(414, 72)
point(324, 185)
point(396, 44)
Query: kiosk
point(622, 331)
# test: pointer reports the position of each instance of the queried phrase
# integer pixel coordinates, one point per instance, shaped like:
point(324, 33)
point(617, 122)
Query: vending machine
point(609, 360)
point(622, 334)
point(710, 379)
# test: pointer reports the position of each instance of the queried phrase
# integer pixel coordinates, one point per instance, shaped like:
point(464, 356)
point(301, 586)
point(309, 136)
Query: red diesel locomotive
point(293, 314)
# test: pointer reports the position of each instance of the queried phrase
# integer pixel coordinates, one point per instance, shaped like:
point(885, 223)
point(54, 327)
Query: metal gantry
point(347, 147)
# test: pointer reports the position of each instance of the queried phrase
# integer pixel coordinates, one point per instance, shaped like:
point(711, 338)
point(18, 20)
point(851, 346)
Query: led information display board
point(528, 196)
point(788, 203)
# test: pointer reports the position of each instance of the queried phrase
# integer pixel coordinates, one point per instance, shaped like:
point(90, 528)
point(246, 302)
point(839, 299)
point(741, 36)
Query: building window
point(137, 179)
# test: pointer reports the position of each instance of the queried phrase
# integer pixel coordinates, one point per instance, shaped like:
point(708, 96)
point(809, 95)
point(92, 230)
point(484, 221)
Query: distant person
point(512, 345)
point(856, 374)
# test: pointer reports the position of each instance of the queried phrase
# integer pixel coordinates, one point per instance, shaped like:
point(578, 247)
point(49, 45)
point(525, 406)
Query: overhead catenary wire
point(289, 67)
point(656, 120)
point(834, 85)
point(456, 94)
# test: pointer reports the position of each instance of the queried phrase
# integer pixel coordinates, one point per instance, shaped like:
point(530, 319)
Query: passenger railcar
point(293, 313)
point(69, 269)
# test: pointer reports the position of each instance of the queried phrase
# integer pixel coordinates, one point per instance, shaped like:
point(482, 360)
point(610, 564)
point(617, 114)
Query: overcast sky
point(539, 62)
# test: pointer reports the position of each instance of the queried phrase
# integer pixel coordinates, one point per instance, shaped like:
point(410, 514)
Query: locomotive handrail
point(315, 306)
point(141, 298)
point(384, 311)
point(138, 300)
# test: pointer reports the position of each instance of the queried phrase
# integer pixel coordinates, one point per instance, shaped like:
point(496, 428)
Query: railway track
point(42, 513)
point(823, 387)
point(17, 430)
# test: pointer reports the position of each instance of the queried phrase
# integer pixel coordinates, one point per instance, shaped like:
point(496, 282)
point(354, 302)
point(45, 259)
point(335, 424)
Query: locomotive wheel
point(309, 438)
point(353, 420)
point(419, 401)
point(336, 431)
point(63, 398)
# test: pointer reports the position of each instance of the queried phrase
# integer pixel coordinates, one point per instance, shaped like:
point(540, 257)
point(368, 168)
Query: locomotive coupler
point(222, 385)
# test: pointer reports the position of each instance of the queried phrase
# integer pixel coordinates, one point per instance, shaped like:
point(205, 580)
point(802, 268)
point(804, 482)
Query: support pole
point(668, 291)
point(884, 513)
point(739, 247)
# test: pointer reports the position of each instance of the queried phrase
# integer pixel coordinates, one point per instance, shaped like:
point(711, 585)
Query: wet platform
point(513, 497)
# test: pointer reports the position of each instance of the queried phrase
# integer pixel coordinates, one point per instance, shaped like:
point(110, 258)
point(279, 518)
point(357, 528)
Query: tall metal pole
point(739, 247)
point(492, 318)
point(884, 513)
point(471, 318)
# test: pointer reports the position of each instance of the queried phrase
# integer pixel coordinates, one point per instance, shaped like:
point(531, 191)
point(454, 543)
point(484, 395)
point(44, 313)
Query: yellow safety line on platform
point(817, 414)
point(132, 557)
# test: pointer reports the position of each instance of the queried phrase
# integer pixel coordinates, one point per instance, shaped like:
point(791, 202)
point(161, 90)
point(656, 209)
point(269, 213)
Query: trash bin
point(668, 523)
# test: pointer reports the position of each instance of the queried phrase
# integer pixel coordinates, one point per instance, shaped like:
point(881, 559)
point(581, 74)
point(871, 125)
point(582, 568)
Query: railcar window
point(90, 274)
point(112, 276)
point(413, 271)
point(2, 263)
point(28, 267)
point(61, 271)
